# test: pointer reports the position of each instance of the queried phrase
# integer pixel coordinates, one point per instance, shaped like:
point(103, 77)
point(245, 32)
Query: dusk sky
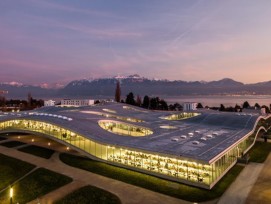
point(46, 41)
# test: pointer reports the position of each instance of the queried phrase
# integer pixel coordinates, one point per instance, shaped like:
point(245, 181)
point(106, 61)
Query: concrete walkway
point(261, 191)
point(239, 190)
point(127, 193)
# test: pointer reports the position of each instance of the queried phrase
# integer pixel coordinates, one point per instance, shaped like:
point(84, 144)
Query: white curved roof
point(219, 130)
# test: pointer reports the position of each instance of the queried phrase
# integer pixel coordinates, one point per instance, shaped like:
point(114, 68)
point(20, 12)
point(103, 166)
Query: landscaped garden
point(154, 183)
point(89, 195)
point(259, 152)
point(37, 151)
point(12, 169)
point(34, 185)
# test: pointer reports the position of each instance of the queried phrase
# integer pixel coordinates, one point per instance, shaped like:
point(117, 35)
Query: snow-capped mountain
point(138, 85)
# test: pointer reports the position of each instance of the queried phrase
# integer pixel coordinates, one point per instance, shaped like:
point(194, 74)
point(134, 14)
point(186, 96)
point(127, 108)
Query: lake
point(225, 100)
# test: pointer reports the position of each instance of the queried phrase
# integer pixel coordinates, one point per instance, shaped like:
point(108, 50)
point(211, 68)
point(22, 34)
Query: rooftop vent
point(195, 142)
point(209, 136)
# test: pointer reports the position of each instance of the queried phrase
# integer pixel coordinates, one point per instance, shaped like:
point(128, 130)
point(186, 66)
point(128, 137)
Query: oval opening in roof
point(180, 116)
point(125, 129)
point(195, 142)
point(174, 139)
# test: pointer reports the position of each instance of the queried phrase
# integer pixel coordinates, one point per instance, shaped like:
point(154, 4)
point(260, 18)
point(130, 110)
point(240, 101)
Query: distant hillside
point(21, 91)
point(144, 86)
point(138, 85)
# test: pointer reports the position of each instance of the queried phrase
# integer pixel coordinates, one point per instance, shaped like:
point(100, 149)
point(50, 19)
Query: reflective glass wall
point(193, 172)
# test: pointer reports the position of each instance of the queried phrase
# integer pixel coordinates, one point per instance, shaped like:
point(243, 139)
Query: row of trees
point(238, 108)
point(154, 103)
point(28, 104)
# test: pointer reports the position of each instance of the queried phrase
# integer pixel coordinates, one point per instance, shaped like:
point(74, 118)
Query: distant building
point(188, 106)
point(49, 103)
point(77, 102)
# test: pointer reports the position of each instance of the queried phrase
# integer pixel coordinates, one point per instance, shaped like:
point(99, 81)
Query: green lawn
point(36, 184)
point(259, 152)
point(12, 144)
point(38, 151)
point(90, 195)
point(151, 182)
point(12, 169)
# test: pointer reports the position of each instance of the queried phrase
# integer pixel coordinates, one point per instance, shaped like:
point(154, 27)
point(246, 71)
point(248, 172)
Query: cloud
point(64, 7)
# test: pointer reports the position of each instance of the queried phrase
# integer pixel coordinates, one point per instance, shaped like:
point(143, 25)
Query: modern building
point(196, 148)
point(77, 102)
point(49, 103)
point(189, 106)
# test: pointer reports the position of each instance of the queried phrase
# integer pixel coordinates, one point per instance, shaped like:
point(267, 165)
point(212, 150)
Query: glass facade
point(179, 169)
point(226, 161)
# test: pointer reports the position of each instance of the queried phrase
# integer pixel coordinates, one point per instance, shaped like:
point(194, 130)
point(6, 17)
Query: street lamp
point(11, 194)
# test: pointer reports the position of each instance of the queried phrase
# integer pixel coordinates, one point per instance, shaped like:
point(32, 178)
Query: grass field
point(36, 184)
point(37, 151)
point(90, 195)
point(153, 183)
point(259, 152)
point(12, 169)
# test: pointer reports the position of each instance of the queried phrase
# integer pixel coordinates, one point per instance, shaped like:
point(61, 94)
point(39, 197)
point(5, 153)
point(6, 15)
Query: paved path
point(261, 191)
point(239, 190)
point(127, 193)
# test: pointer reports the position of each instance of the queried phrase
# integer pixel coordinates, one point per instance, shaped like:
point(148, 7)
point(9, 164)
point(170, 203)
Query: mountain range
point(139, 86)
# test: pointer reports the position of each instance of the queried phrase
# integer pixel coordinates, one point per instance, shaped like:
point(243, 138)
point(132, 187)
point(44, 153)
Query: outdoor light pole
point(11, 194)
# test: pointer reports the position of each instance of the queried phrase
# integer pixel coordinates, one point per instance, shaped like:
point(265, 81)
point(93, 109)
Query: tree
point(238, 108)
point(117, 92)
point(267, 110)
point(163, 105)
point(154, 102)
point(2, 101)
point(246, 104)
point(222, 107)
point(130, 99)
point(96, 102)
point(257, 106)
point(138, 100)
point(146, 102)
point(199, 105)
point(29, 99)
